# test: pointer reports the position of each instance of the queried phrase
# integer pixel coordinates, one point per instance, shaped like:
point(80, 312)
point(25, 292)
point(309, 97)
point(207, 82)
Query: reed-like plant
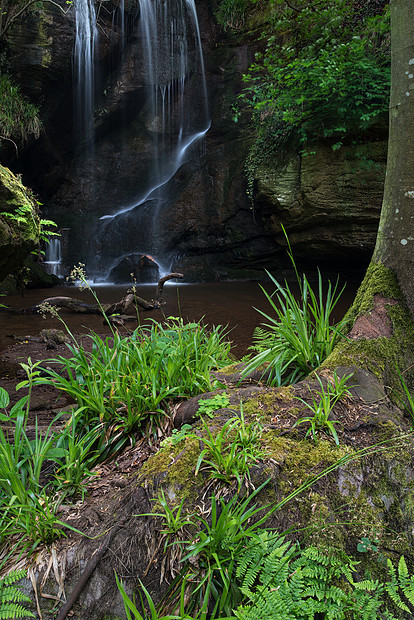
point(28, 506)
point(27, 509)
point(79, 455)
point(228, 455)
point(299, 335)
point(408, 402)
point(127, 381)
point(209, 562)
point(323, 401)
point(153, 613)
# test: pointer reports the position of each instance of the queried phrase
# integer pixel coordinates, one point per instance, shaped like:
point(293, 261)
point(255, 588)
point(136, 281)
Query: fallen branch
point(120, 307)
point(162, 281)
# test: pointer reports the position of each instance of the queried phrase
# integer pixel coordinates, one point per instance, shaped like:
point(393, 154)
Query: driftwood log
point(120, 307)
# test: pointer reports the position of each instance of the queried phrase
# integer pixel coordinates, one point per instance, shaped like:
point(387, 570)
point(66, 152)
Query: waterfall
point(84, 74)
point(53, 256)
point(176, 118)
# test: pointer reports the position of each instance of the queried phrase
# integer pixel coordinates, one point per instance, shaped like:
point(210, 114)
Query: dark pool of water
point(224, 303)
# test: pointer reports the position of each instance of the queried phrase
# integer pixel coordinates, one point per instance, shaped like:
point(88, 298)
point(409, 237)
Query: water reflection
point(224, 303)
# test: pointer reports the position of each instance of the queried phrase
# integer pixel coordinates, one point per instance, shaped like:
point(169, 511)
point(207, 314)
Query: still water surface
point(224, 303)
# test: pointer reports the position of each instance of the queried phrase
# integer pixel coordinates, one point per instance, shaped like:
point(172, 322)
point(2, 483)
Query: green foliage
point(328, 94)
point(366, 545)
point(28, 502)
point(177, 435)
point(125, 383)
point(26, 508)
point(207, 406)
point(78, 456)
point(18, 117)
point(275, 580)
point(209, 563)
point(131, 609)
point(324, 74)
point(228, 456)
point(299, 336)
point(281, 581)
point(231, 14)
point(11, 597)
point(27, 215)
point(408, 402)
point(323, 401)
point(174, 520)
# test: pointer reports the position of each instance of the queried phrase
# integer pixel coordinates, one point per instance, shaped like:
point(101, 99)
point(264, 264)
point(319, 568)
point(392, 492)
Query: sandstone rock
point(329, 202)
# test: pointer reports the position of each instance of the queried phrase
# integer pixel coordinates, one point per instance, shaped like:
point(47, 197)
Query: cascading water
point(84, 75)
point(176, 118)
point(53, 257)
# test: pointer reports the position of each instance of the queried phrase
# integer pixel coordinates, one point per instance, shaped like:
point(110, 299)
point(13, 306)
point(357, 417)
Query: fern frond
point(262, 339)
point(11, 610)
point(402, 568)
point(11, 597)
point(12, 594)
point(408, 590)
point(367, 584)
point(392, 590)
point(14, 575)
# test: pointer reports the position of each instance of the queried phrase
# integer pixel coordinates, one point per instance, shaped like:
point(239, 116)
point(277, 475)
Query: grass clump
point(125, 383)
point(228, 456)
point(29, 499)
point(298, 336)
point(233, 568)
point(323, 401)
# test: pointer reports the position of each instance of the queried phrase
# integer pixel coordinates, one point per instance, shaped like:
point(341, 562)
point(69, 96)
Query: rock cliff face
point(329, 203)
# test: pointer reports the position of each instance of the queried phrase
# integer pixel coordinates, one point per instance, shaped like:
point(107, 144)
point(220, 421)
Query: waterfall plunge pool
point(220, 303)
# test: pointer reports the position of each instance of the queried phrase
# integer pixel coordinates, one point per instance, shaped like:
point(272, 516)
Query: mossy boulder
point(361, 488)
point(19, 223)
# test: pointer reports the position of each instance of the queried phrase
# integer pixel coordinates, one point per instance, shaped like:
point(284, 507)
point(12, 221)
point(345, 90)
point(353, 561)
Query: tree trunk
point(395, 241)
point(382, 336)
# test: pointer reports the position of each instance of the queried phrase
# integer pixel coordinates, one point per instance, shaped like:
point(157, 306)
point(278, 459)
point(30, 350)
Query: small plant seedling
point(229, 455)
point(177, 436)
point(366, 545)
point(208, 406)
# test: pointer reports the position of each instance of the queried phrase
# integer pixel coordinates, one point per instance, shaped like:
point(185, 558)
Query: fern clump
point(279, 581)
point(11, 597)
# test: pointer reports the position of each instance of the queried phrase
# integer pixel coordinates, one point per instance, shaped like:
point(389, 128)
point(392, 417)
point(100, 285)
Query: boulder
point(134, 268)
point(19, 223)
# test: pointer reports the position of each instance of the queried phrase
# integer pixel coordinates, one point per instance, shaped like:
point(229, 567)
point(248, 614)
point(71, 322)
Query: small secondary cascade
point(84, 74)
point(53, 257)
point(177, 119)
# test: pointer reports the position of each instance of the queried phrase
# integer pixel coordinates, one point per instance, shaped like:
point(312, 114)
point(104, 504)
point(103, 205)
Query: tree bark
point(395, 240)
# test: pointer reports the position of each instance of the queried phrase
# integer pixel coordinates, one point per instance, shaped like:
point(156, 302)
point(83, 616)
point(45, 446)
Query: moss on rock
point(383, 356)
point(19, 223)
